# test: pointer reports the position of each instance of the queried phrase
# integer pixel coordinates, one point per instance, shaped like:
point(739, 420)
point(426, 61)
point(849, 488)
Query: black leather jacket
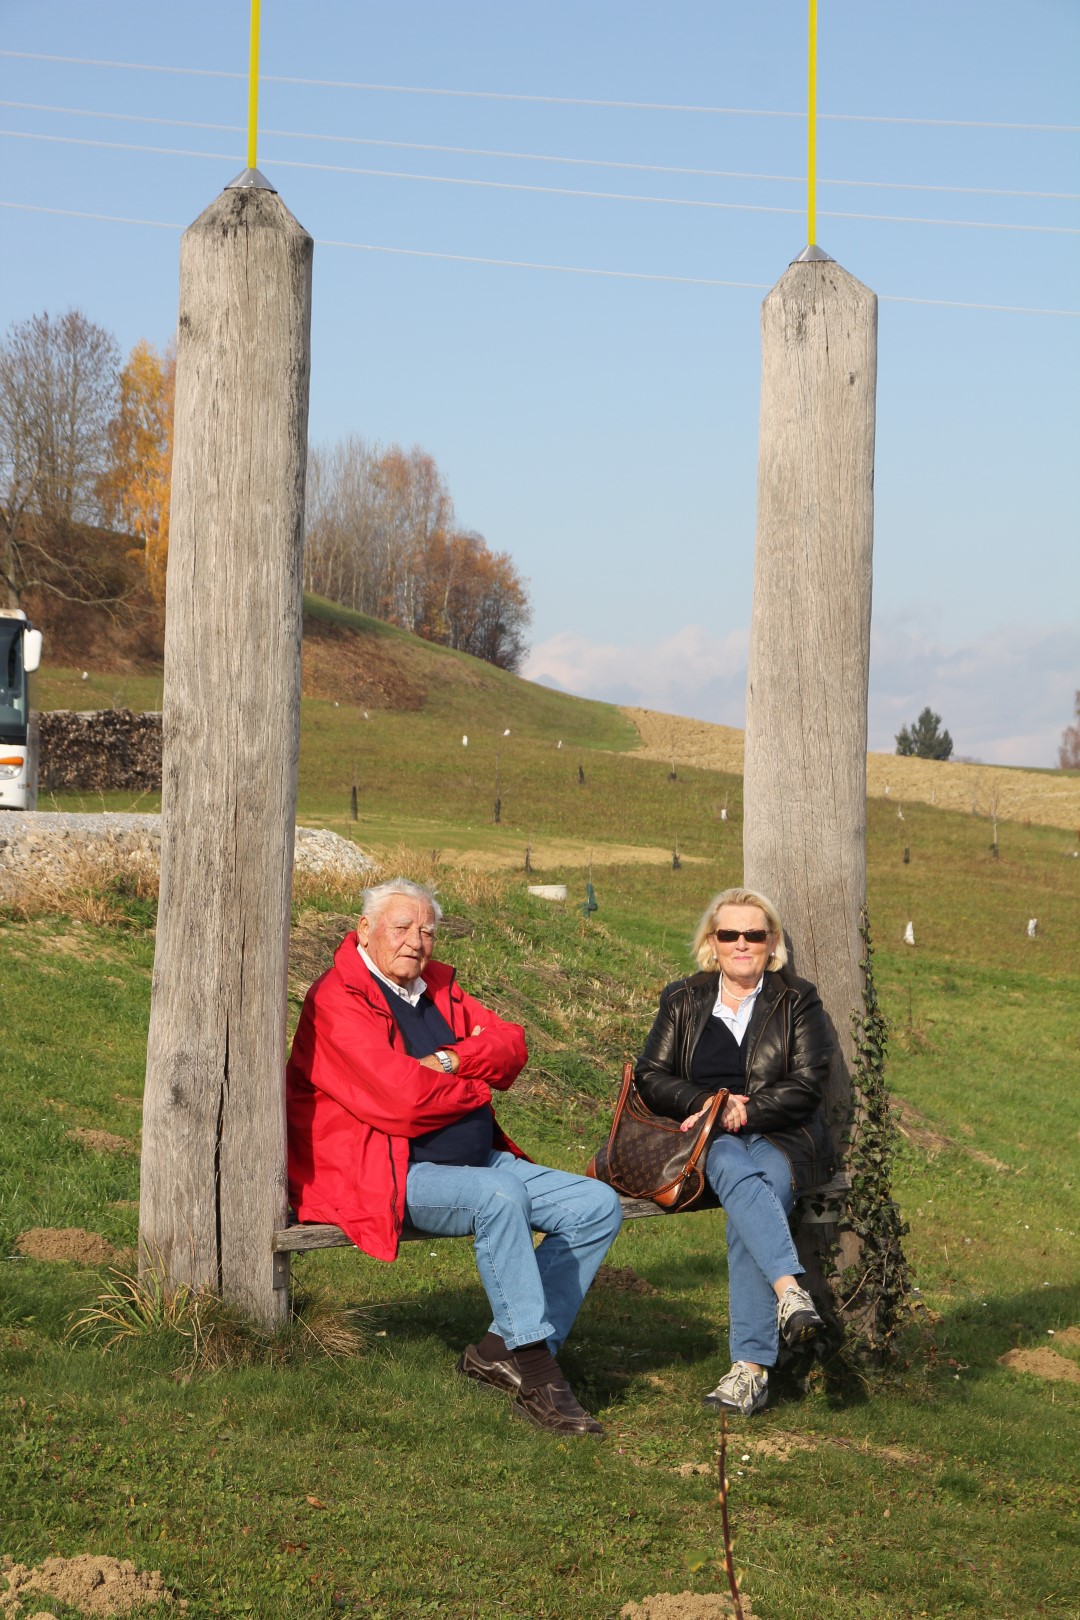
point(788, 1048)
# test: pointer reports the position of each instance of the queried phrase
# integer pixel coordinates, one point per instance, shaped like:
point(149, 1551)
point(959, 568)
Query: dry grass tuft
point(327, 891)
point(213, 1336)
point(455, 884)
point(93, 885)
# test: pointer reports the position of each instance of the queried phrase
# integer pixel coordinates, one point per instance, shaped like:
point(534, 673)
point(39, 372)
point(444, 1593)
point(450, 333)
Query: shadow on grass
point(978, 1333)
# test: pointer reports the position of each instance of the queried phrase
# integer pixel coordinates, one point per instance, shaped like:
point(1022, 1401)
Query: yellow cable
point(811, 133)
point(253, 87)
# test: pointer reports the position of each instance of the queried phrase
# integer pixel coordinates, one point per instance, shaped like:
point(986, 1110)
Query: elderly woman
point(746, 1024)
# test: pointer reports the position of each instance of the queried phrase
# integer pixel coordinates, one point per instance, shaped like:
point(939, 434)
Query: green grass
point(952, 1488)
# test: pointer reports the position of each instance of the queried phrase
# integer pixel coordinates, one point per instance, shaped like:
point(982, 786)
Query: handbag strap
point(705, 1127)
point(624, 1092)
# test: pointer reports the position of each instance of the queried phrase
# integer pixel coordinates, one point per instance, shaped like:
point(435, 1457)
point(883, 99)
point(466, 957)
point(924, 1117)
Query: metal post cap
point(251, 180)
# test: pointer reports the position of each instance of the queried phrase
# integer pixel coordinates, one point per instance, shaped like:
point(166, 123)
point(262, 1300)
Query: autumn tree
point(58, 383)
point(382, 538)
point(134, 490)
point(1069, 752)
point(415, 509)
point(925, 738)
point(477, 602)
point(340, 547)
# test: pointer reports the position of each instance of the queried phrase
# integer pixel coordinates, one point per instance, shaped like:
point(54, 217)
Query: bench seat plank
point(307, 1235)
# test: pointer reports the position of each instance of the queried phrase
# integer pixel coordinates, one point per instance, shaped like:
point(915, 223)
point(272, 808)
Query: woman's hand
point(733, 1113)
point(693, 1119)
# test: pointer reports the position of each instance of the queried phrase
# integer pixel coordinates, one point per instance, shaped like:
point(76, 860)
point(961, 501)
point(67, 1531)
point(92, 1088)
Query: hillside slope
point(1047, 798)
point(359, 663)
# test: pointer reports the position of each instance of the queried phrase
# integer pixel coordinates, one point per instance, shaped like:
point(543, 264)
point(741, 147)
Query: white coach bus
point(20, 655)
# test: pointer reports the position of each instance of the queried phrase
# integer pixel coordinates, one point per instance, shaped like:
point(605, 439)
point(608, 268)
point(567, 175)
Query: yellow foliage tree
point(136, 486)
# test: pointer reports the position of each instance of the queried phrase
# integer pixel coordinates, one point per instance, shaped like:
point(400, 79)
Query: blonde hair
point(702, 949)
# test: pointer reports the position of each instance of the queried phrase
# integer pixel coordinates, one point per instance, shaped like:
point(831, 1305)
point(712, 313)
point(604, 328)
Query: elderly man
point(390, 1121)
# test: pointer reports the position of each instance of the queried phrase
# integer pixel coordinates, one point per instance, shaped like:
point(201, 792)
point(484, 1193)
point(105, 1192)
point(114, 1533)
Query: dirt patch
point(1043, 1363)
point(784, 1446)
point(781, 1446)
point(685, 1606)
point(623, 1280)
point(1047, 798)
point(93, 1584)
point(100, 1141)
point(551, 854)
point(693, 1470)
point(348, 666)
point(75, 941)
point(922, 1133)
point(1069, 1336)
point(65, 1243)
point(986, 1158)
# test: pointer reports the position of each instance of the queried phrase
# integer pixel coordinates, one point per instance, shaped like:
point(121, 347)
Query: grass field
point(373, 1484)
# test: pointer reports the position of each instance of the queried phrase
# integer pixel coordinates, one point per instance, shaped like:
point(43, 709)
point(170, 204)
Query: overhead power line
point(540, 157)
point(555, 101)
point(524, 264)
point(548, 191)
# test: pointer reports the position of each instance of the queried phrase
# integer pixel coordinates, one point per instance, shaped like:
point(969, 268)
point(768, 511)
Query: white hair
point(377, 898)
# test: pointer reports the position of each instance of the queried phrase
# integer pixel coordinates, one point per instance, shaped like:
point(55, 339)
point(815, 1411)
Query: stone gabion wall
point(99, 751)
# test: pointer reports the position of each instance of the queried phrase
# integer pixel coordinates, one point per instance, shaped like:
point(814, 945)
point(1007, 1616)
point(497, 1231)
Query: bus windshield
point(12, 682)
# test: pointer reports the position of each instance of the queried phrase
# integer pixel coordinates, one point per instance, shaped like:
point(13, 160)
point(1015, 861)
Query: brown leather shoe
point(556, 1408)
point(501, 1375)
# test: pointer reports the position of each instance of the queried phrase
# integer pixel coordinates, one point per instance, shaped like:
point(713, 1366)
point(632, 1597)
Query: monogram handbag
point(648, 1156)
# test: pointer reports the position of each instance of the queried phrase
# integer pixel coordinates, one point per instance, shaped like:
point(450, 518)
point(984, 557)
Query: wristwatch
point(446, 1062)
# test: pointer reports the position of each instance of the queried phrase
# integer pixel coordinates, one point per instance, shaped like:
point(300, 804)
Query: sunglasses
point(752, 936)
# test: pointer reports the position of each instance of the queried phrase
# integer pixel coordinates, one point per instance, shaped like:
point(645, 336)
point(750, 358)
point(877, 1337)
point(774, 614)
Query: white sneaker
point(796, 1315)
point(740, 1390)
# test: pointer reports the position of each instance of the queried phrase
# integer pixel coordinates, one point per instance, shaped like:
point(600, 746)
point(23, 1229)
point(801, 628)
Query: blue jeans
point(534, 1293)
point(752, 1180)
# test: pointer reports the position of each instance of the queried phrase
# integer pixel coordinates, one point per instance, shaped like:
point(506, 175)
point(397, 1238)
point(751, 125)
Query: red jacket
point(354, 1097)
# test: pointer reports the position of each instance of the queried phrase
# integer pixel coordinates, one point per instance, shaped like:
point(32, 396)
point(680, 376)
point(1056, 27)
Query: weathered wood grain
point(213, 1163)
point(804, 840)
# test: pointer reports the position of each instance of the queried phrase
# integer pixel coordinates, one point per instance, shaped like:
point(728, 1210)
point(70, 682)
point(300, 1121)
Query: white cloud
point(1005, 696)
point(693, 672)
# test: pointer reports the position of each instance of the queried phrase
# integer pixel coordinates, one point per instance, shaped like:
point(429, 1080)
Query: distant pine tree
point(925, 738)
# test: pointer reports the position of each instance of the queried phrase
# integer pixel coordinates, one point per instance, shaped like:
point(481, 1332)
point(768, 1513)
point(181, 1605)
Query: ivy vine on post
point(874, 1291)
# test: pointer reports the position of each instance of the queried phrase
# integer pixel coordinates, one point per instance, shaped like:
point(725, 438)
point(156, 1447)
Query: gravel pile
point(62, 844)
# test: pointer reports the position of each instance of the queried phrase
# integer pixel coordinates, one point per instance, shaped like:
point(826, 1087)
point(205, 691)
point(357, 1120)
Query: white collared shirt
point(738, 1019)
point(410, 992)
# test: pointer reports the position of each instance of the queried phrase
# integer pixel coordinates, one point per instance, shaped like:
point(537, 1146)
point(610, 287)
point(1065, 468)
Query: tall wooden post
point(804, 841)
point(213, 1162)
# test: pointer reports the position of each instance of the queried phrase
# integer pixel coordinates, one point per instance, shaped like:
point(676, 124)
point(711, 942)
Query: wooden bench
point(303, 1236)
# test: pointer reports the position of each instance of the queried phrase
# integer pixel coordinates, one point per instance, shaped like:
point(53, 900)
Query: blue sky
point(602, 429)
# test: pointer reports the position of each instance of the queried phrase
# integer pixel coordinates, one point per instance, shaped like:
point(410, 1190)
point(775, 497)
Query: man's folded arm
point(382, 1085)
point(498, 1054)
